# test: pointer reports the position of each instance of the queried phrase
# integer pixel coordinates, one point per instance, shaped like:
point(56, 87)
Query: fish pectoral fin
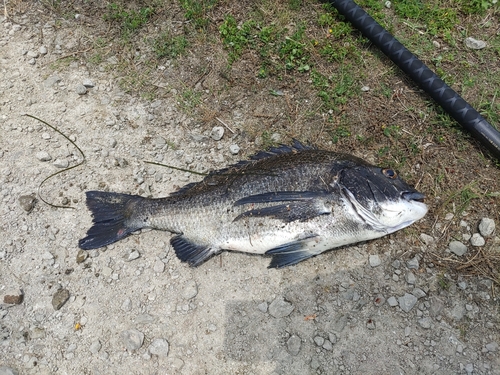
point(292, 252)
point(190, 252)
point(281, 196)
point(301, 211)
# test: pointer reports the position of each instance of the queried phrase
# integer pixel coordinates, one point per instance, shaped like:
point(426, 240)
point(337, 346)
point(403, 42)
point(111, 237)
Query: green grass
point(166, 45)
point(197, 11)
point(128, 21)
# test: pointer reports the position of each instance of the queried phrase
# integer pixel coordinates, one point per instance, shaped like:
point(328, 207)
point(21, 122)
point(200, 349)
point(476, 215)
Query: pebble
point(43, 50)
point(61, 163)
point(365, 88)
point(319, 340)
point(43, 156)
point(80, 89)
point(4, 370)
point(217, 133)
point(436, 44)
point(132, 339)
point(13, 297)
point(374, 260)
point(328, 345)
point(27, 202)
point(392, 301)
point(95, 347)
point(492, 346)
point(410, 278)
point(262, 306)
point(474, 43)
point(407, 302)
point(81, 256)
point(419, 293)
point(234, 149)
point(425, 322)
point(190, 290)
point(59, 299)
point(159, 347)
point(486, 227)
point(412, 264)
point(127, 305)
point(426, 239)
point(388, 4)
point(477, 240)
point(458, 248)
point(469, 368)
point(32, 54)
point(436, 306)
point(280, 308)
point(88, 83)
point(131, 255)
point(51, 81)
point(159, 266)
point(293, 344)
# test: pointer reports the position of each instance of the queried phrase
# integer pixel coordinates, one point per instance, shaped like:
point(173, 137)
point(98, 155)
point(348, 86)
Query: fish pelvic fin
point(190, 252)
point(292, 252)
point(113, 218)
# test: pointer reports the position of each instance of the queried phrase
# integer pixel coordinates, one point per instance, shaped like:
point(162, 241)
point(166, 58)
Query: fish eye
point(389, 173)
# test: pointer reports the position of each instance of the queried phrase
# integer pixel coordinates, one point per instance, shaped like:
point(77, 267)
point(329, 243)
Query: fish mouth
point(413, 196)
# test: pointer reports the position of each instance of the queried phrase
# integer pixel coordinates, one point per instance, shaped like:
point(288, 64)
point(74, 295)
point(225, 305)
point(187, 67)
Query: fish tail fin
point(113, 218)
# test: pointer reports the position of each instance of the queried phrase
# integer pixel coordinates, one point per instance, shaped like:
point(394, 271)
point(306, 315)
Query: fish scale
point(291, 202)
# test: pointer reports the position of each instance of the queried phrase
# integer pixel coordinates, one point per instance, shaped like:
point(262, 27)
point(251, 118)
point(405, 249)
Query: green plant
point(196, 11)
point(166, 45)
point(128, 20)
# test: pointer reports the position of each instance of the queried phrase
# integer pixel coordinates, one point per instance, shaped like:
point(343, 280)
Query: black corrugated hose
point(443, 94)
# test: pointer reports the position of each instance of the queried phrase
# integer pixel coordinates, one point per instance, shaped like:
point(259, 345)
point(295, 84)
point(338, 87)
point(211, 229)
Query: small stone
point(293, 344)
point(234, 149)
point(127, 305)
point(365, 88)
point(280, 308)
point(474, 43)
point(319, 340)
point(81, 89)
point(43, 50)
point(190, 290)
point(419, 293)
point(436, 44)
point(13, 297)
point(27, 202)
point(159, 266)
point(426, 239)
point(131, 255)
point(469, 368)
point(43, 156)
point(51, 81)
point(4, 370)
point(387, 4)
point(88, 83)
point(59, 299)
point(159, 347)
point(328, 345)
point(425, 322)
point(410, 278)
point(95, 347)
point(458, 248)
point(492, 346)
point(132, 339)
point(449, 216)
point(392, 301)
point(61, 163)
point(436, 306)
point(81, 256)
point(370, 324)
point(477, 240)
point(177, 363)
point(262, 306)
point(32, 54)
point(412, 264)
point(486, 227)
point(217, 133)
point(407, 302)
point(458, 311)
point(396, 264)
point(374, 260)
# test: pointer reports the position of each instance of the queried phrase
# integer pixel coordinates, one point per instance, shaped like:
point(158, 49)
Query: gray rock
point(392, 301)
point(159, 347)
point(27, 202)
point(43, 156)
point(486, 227)
point(374, 260)
point(80, 89)
point(59, 299)
point(95, 347)
point(131, 255)
point(88, 83)
point(61, 163)
point(159, 266)
point(318, 340)
point(4, 370)
point(365, 88)
point(190, 290)
point(412, 264)
point(132, 339)
point(426, 239)
point(458, 311)
point(51, 81)
point(327, 345)
point(474, 43)
point(280, 308)
point(217, 133)
point(492, 346)
point(127, 305)
point(32, 54)
point(370, 324)
point(410, 278)
point(436, 306)
point(396, 264)
point(234, 149)
point(293, 344)
point(332, 338)
point(458, 248)
point(419, 293)
point(262, 306)
point(43, 50)
point(425, 322)
point(477, 240)
point(469, 368)
point(407, 302)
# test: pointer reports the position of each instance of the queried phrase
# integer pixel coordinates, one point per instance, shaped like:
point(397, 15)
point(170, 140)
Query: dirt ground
point(403, 304)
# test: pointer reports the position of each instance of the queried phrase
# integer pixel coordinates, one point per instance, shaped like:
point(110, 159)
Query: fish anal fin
point(292, 252)
point(190, 252)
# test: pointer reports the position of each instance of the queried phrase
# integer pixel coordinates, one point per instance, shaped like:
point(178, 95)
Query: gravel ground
point(377, 308)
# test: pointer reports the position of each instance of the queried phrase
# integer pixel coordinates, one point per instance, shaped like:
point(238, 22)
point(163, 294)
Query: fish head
point(381, 198)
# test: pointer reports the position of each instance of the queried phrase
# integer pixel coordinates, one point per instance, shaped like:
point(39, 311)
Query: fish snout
point(413, 196)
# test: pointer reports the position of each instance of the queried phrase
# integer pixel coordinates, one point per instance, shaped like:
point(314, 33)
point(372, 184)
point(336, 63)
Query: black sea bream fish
point(292, 202)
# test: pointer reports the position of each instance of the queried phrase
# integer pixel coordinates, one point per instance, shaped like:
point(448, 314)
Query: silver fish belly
point(292, 202)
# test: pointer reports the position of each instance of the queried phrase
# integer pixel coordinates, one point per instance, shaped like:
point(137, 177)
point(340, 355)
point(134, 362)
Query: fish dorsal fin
point(282, 149)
